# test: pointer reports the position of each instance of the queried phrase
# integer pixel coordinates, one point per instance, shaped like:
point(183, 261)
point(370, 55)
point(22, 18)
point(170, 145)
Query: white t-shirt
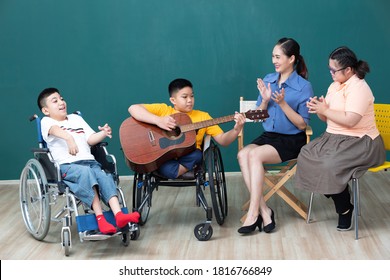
point(78, 128)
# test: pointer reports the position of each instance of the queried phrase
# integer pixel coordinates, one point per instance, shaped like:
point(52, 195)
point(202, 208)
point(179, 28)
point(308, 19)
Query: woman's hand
point(317, 105)
point(265, 91)
point(278, 97)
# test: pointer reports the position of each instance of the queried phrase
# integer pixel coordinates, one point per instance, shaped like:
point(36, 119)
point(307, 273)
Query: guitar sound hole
point(174, 132)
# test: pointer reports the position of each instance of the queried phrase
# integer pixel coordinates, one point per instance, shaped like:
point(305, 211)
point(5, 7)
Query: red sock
point(123, 219)
point(104, 226)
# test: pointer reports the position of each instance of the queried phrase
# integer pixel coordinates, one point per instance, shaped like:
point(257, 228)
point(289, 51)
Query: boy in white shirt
point(69, 139)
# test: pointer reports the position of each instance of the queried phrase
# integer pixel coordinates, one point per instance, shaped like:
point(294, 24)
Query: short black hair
point(177, 85)
point(43, 95)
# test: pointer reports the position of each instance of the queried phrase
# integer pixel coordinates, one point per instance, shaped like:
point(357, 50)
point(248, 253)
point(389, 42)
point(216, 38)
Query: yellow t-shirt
point(161, 109)
point(352, 96)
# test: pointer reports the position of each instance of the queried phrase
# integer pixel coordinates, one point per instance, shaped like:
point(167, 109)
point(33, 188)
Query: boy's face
point(55, 107)
point(183, 100)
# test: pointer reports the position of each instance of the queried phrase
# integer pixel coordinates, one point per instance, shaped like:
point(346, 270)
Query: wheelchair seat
point(41, 187)
point(208, 176)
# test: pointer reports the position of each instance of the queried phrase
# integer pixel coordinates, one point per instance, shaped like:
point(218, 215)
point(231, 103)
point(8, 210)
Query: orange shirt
point(355, 96)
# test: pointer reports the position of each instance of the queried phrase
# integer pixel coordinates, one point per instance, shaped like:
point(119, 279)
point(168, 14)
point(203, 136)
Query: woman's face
point(282, 62)
point(339, 74)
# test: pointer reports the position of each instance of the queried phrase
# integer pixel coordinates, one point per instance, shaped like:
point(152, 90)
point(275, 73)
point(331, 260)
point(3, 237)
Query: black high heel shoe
point(249, 229)
point(271, 226)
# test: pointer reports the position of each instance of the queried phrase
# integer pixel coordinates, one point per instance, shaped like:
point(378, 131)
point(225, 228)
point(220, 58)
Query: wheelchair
point(210, 175)
point(41, 188)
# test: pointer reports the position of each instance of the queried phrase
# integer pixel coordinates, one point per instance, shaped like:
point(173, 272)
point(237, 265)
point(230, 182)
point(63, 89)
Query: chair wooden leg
point(294, 202)
point(274, 183)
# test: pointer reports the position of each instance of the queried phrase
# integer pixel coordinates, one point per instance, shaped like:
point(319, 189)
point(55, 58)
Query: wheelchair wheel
point(141, 198)
point(125, 239)
point(201, 234)
point(34, 199)
point(66, 243)
point(135, 234)
point(217, 183)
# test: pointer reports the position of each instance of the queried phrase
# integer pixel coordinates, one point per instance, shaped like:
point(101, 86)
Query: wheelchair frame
point(210, 175)
point(41, 187)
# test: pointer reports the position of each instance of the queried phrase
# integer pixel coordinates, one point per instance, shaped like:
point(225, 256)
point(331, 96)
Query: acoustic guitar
point(147, 146)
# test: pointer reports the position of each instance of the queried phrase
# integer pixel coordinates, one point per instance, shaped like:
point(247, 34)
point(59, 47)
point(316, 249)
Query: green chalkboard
point(106, 55)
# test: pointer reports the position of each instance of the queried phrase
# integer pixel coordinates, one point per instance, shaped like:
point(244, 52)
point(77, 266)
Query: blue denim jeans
point(170, 169)
point(82, 176)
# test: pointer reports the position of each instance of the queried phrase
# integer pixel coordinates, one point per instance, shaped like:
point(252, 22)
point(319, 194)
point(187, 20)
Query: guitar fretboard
point(202, 124)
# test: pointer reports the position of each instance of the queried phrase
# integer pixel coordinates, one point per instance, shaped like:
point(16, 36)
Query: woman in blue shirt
point(284, 94)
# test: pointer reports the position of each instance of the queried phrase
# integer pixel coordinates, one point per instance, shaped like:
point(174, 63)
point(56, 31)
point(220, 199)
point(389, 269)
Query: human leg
point(266, 155)
point(252, 166)
point(344, 208)
point(189, 161)
point(243, 161)
point(174, 168)
point(80, 180)
point(104, 226)
point(121, 218)
point(249, 165)
point(108, 192)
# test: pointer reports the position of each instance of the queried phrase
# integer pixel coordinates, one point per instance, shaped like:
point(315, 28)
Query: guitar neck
point(202, 124)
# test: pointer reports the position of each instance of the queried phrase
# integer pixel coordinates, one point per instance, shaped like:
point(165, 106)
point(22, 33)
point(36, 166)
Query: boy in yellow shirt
point(159, 114)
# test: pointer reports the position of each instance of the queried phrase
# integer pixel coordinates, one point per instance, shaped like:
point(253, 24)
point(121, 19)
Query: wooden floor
point(168, 233)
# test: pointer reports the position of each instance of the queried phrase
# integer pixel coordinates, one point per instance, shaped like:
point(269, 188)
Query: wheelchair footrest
point(97, 236)
point(88, 222)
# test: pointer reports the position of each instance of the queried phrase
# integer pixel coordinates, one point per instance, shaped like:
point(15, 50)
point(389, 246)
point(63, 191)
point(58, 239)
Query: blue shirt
point(297, 92)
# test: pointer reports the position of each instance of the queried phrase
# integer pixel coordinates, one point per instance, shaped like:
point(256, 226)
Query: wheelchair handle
point(39, 134)
point(33, 117)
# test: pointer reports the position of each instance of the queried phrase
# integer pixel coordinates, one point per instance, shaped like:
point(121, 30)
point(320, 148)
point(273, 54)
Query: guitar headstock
point(256, 115)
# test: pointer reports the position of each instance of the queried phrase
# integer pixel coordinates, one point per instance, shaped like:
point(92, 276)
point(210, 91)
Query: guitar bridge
point(152, 140)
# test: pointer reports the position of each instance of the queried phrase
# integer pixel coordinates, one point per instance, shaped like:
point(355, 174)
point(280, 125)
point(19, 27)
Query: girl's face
point(339, 74)
point(183, 100)
point(282, 62)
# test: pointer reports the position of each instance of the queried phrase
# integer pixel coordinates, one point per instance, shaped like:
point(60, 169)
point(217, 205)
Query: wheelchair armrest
point(40, 150)
point(49, 165)
point(102, 144)
point(107, 160)
point(207, 142)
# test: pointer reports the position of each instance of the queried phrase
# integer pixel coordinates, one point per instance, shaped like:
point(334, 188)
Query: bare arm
point(293, 116)
point(321, 108)
point(228, 137)
point(105, 131)
point(265, 92)
point(139, 112)
point(278, 97)
point(56, 131)
point(347, 119)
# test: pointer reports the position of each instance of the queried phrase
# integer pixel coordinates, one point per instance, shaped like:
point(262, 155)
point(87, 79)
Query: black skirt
point(288, 146)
